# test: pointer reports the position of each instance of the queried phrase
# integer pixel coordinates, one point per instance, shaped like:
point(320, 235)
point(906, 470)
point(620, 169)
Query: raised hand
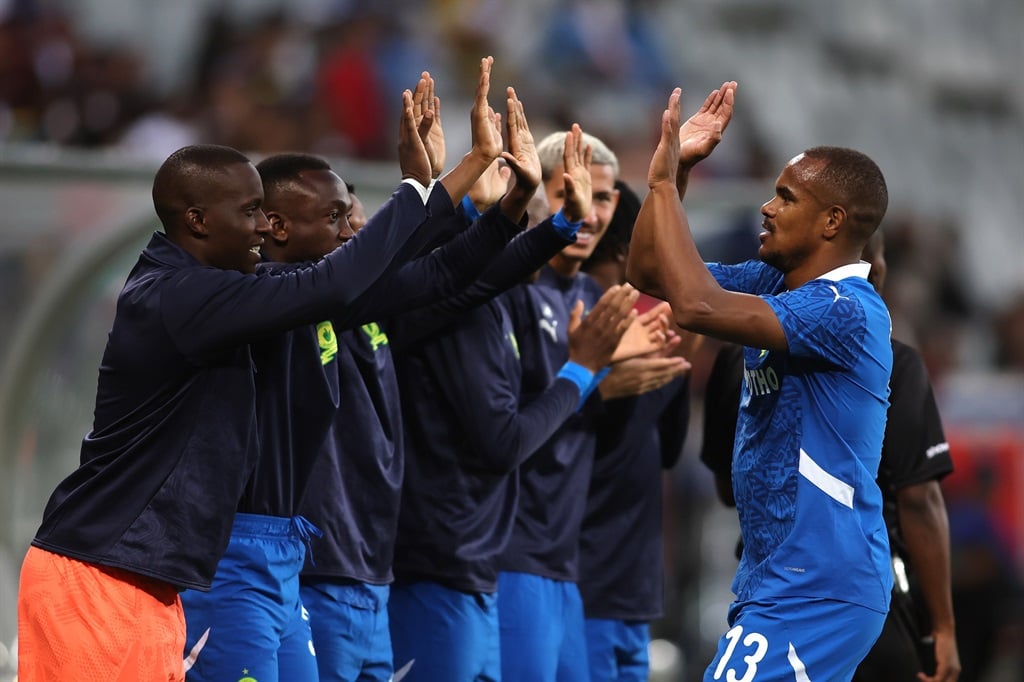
point(485, 124)
point(425, 104)
point(522, 152)
point(485, 128)
point(664, 163)
point(576, 162)
point(701, 133)
point(412, 155)
point(491, 185)
point(593, 339)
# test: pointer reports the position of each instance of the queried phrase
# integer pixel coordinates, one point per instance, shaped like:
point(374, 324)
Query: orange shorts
point(80, 621)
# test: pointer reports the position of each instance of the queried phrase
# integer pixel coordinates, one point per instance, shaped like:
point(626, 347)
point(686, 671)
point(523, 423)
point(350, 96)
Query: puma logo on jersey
point(328, 341)
point(548, 323)
point(836, 292)
point(551, 327)
point(377, 337)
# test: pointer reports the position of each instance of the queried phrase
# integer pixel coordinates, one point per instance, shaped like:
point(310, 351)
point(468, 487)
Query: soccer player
point(918, 640)
point(813, 586)
point(539, 604)
point(468, 430)
point(148, 513)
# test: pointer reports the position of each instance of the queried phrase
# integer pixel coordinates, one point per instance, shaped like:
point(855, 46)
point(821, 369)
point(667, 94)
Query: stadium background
point(95, 93)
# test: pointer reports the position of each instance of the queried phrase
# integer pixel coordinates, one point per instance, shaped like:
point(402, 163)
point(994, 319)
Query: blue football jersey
point(809, 439)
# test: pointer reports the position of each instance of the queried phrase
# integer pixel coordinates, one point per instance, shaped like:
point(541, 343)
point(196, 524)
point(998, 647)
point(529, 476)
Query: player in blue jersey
point(918, 641)
point(149, 511)
point(252, 617)
point(640, 433)
point(813, 586)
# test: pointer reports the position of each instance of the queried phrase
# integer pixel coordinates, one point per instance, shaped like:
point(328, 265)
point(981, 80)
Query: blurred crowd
point(330, 84)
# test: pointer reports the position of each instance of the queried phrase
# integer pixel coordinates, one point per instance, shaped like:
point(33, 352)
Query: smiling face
point(310, 218)
point(230, 219)
point(795, 217)
point(604, 199)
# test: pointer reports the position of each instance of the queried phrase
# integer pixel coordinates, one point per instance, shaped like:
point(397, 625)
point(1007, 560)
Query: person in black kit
point(918, 640)
point(149, 511)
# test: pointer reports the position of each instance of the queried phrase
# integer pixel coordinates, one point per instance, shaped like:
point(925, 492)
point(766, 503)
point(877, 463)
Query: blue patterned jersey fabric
point(809, 439)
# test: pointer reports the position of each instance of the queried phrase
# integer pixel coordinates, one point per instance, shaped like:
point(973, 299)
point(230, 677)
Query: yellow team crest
point(376, 335)
point(328, 341)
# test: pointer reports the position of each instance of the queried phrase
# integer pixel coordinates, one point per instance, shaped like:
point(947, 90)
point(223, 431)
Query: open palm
point(701, 133)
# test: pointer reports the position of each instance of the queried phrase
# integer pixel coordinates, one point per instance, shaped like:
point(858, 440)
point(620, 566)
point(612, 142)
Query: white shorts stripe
point(830, 485)
point(799, 671)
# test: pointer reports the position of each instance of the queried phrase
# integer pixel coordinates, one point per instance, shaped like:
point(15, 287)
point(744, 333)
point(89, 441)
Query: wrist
point(478, 160)
point(470, 208)
point(564, 226)
point(578, 374)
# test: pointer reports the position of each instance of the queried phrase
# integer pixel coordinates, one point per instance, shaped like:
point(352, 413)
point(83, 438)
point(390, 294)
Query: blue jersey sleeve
point(749, 277)
point(822, 323)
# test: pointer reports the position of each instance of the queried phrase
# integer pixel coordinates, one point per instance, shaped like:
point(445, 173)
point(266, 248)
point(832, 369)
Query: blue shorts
point(350, 629)
point(251, 622)
point(617, 649)
point(542, 636)
point(794, 639)
point(450, 635)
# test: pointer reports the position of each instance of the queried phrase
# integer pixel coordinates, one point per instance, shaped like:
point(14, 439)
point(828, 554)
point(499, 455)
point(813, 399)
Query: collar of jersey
point(860, 269)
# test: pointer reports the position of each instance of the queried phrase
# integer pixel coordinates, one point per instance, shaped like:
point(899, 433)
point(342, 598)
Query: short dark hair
point(854, 181)
point(183, 175)
point(281, 168)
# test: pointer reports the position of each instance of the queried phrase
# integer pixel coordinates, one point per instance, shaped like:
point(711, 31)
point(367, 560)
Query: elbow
point(691, 314)
point(642, 278)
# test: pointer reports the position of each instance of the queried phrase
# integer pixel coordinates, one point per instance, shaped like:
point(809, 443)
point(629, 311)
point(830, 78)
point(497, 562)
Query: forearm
point(925, 528)
point(682, 179)
point(524, 255)
point(663, 259)
point(509, 442)
point(458, 180)
point(515, 201)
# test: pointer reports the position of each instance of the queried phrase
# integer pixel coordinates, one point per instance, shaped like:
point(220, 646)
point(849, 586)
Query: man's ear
point(278, 227)
point(195, 221)
point(835, 218)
